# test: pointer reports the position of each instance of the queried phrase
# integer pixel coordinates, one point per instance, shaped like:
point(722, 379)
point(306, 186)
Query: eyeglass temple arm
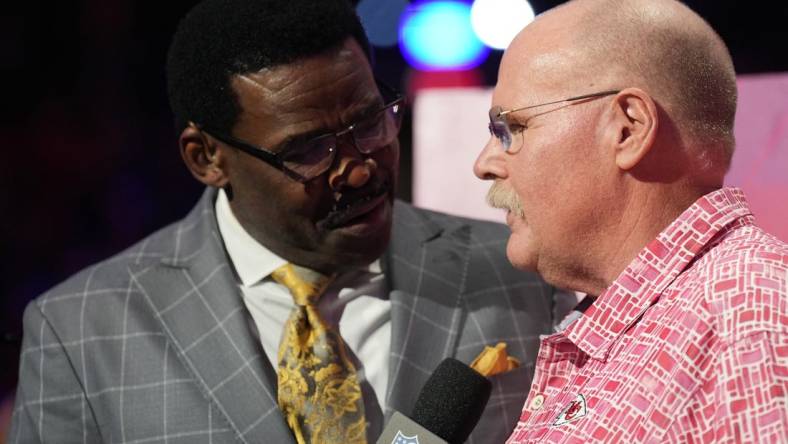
point(571, 99)
point(252, 150)
point(243, 146)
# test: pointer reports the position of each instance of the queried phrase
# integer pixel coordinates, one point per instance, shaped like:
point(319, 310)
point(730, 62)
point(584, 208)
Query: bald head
point(660, 46)
point(631, 104)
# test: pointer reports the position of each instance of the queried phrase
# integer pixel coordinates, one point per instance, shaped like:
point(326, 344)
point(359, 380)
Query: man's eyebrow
point(298, 138)
point(364, 112)
point(367, 110)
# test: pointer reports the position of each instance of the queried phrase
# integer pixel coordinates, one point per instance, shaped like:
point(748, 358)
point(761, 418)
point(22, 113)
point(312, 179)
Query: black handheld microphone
point(448, 408)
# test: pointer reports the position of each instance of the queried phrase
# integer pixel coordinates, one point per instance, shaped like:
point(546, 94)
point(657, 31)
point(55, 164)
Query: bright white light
point(497, 22)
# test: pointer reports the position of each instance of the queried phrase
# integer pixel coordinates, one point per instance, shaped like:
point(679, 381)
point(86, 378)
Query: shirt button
point(536, 402)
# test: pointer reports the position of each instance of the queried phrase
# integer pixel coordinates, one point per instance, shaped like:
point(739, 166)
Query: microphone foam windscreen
point(452, 401)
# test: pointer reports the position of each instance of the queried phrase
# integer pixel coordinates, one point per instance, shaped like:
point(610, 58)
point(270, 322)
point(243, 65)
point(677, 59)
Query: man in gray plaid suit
point(175, 339)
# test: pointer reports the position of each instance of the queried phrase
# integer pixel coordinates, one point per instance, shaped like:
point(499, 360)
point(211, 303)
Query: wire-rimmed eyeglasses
point(500, 129)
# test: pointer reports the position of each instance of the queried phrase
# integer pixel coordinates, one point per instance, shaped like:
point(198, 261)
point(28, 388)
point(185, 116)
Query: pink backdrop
point(760, 164)
point(450, 129)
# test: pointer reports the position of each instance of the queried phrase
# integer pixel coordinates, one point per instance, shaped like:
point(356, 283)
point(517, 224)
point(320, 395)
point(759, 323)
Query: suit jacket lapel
point(195, 297)
point(425, 268)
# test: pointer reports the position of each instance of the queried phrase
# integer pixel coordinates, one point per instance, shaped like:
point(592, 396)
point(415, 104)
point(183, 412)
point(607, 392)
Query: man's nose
point(490, 164)
point(350, 168)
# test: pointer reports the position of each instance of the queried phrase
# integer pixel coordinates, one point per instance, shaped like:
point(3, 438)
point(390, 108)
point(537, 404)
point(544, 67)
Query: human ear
point(636, 122)
point(202, 158)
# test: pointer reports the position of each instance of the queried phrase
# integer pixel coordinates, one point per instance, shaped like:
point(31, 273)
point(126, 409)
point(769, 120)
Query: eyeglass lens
point(499, 128)
point(313, 157)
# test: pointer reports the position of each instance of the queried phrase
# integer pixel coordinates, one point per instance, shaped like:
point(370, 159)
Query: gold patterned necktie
point(318, 391)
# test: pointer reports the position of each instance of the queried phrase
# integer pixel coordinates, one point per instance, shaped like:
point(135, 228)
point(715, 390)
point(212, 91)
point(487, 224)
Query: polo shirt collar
point(654, 268)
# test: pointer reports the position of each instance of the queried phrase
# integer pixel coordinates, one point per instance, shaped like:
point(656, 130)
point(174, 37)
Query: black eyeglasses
point(306, 159)
point(500, 129)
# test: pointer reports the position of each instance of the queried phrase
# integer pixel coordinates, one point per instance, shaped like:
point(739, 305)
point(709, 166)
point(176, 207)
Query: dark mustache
point(346, 203)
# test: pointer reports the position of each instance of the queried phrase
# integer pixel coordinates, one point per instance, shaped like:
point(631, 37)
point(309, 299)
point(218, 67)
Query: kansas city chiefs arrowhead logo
point(575, 410)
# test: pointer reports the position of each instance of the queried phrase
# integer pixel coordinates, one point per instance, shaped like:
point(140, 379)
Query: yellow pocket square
point(494, 360)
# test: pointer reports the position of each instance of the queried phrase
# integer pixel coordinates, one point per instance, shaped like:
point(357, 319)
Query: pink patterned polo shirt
point(689, 344)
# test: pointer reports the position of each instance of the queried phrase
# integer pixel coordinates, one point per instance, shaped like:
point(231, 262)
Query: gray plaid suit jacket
point(155, 344)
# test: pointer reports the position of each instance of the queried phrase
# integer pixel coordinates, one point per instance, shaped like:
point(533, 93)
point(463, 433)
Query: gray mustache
point(500, 196)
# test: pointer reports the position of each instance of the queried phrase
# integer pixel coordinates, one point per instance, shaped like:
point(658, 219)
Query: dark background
point(89, 161)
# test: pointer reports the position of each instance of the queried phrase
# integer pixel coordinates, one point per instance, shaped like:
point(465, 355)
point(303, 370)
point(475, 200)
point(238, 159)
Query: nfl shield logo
point(402, 439)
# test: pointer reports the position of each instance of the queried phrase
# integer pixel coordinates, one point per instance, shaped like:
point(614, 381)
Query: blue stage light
point(437, 35)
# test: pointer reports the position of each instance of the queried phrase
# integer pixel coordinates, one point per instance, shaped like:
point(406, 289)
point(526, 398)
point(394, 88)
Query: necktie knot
point(305, 285)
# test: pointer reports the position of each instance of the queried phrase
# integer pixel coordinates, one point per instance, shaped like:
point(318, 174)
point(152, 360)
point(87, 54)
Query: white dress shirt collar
point(251, 260)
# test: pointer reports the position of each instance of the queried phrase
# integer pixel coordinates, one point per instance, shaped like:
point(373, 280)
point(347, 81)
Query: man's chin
point(354, 257)
point(363, 239)
point(521, 262)
point(520, 251)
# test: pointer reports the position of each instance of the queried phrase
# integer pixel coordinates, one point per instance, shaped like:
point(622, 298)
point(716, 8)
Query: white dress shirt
point(356, 302)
